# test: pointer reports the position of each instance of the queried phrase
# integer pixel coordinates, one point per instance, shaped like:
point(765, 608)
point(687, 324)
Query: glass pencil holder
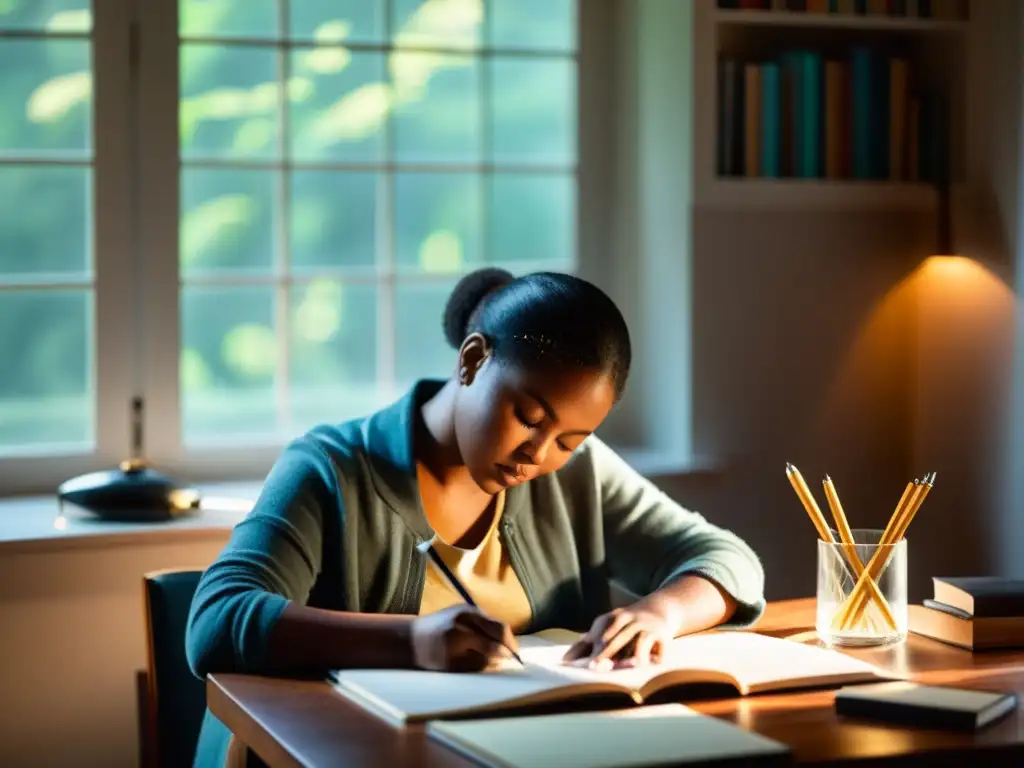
point(862, 590)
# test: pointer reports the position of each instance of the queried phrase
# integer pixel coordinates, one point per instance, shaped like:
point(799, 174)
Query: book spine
point(730, 100)
point(897, 119)
point(833, 120)
point(811, 115)
point(794, 113)
point(752, 120)
point(771, 121)
point(881, 123)
point(860, 75)
point(914, 140)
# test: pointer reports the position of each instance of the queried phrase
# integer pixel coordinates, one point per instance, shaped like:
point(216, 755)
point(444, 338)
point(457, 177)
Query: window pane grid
point(68, 159)
point(356, 47)
point(45, 283)
point(386, 167)
point(40, 34)
point(283, 298)
point(47, 277)
point(292, 282)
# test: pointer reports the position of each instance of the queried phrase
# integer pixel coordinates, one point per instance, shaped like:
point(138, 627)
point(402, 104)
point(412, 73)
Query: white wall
point(72, 638)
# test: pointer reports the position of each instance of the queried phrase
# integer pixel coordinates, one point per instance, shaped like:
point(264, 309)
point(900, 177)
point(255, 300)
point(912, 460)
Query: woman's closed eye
point(527, 422)
point(536, 422)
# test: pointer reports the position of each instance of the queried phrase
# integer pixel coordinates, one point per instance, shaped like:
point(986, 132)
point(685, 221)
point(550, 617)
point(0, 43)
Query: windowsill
point(35, 524)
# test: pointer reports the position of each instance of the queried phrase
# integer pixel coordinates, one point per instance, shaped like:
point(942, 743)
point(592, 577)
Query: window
point(342, 163)
point(250, 212)
point(47, 276)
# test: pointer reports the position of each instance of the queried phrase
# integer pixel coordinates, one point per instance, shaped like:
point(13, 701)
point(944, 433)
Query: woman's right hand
point(459, 639)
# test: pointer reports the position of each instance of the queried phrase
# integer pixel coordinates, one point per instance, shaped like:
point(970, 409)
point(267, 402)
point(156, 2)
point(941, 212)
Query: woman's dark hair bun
point(466, 298)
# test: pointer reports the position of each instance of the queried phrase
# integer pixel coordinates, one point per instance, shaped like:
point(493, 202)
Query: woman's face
point(513, 424)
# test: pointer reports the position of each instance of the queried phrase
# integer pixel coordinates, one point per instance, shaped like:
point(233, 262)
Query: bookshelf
point(877, 128)
point(837, 21)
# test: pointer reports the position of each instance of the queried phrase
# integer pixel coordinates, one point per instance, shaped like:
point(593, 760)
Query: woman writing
point(500, 467)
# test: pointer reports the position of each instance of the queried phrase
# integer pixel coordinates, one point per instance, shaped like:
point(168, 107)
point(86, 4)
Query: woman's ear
point(474, 353)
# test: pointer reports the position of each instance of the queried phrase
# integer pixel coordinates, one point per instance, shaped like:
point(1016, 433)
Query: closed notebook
point(981, 596)
point(747, 662)
point(951, 625)
point(927, 706)
point(662, 735)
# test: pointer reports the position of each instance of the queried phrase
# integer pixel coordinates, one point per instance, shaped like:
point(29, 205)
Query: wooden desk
point(302, 723)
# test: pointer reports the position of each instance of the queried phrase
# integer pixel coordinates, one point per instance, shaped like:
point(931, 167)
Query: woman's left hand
point(624, 637)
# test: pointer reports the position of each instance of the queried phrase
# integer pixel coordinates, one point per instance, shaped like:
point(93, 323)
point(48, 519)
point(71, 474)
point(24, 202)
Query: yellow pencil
point(843, 526)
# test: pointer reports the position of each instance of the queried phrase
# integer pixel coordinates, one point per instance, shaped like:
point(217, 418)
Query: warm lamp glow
point(952, 265)
point(940, 319)
point(962, 283)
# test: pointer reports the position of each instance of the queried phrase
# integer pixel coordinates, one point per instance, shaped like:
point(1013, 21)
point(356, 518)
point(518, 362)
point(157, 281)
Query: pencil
point(843, 526)
point(427, 547)
point(852, 602)
point(910, 502)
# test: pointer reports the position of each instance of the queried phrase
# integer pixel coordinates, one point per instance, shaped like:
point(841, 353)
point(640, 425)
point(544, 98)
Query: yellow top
point(485, 572)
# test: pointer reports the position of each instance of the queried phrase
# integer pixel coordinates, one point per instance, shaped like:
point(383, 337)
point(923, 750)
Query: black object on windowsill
point(133, 492)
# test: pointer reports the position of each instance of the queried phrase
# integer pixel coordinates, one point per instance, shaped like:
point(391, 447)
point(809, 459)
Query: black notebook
point(927, 706)
point(981, 596)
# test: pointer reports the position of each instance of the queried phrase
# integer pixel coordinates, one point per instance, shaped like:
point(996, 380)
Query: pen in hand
point(427, 547)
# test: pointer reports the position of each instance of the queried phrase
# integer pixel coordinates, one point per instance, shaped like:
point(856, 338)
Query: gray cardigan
point(339, 517)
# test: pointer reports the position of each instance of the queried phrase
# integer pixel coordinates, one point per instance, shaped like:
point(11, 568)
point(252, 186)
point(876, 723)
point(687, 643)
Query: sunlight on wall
point(942, 323)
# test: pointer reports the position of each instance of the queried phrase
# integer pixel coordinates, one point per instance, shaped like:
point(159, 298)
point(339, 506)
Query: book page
point(759, 662)
point(753, 661)
point(410, 695)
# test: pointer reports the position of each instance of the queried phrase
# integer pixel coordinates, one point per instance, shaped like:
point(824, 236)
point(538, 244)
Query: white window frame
point(113, 372)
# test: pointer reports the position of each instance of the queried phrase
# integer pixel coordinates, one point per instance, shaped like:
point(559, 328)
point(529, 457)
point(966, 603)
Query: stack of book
point(813, 115)
point(974, 612)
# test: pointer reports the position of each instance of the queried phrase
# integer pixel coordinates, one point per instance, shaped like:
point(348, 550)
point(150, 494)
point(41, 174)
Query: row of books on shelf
point(973, 612)
point(805, 116)
point(946, 10)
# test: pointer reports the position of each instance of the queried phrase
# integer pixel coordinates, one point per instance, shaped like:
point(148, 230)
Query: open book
point(748, 662)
